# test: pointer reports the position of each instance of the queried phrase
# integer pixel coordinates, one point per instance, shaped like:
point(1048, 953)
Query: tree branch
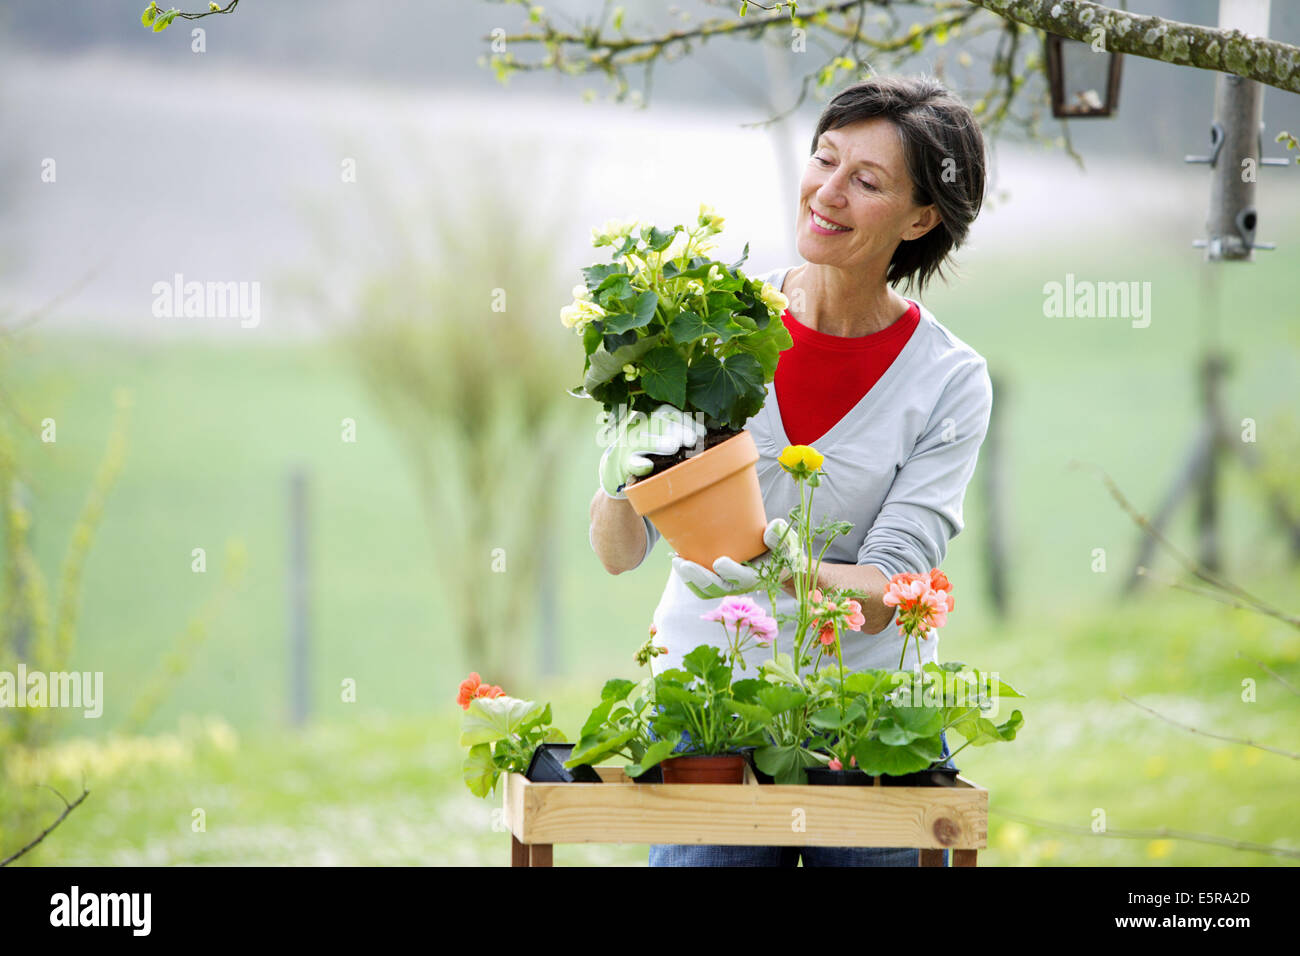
point(1184, 44)
point(67, 808)
point(1161, 833)
point(1206, 733)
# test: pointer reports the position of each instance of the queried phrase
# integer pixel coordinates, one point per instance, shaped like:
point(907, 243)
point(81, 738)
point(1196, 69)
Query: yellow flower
point(710, 218)
point(801, 460)
point(773, 298)
point(1159, 849)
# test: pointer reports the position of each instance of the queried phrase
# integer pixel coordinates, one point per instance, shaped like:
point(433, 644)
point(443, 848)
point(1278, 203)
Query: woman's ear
point(925, 220)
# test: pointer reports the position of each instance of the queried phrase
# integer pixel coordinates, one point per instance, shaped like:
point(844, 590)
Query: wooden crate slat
point(746, 815)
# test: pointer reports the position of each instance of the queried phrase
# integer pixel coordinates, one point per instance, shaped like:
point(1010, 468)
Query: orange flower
point(939, 581)
point(473, 686)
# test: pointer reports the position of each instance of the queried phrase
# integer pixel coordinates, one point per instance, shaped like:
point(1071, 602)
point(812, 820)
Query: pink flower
point(741, 612)
point(922, 603)
point(835, 764)
point(856, 617)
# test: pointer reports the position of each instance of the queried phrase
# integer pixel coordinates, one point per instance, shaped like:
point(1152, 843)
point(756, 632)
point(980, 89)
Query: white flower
point(630, 372)
point(577, 315)
point(614, 231)
point(581, 293)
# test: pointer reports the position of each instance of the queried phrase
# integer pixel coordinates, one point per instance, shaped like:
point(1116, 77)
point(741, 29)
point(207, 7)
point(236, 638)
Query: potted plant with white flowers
point(663, 324)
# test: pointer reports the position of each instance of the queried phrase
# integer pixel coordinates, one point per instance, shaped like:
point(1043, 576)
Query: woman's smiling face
point(855, 198)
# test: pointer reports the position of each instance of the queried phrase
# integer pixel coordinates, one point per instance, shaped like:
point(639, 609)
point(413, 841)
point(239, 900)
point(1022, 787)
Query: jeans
point(693, 854)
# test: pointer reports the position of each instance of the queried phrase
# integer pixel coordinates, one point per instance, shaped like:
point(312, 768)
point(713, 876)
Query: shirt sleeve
point(923, 508)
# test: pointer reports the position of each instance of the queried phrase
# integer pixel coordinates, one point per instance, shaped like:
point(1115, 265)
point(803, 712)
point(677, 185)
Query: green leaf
point(596, 718)
point(731, 390)
point(980, 731)
point(616, 688)
point(490, 719)
point(642, 311)
point(780, 668)
point(779, 699)
point(778, 760)
point(659, 239)
point(151, 11)
point(875, 757)
point(592, 335)
point(657, 752)
point(753, 713)
point(593, 750)
point(595, 276)
point(766, 347)
point(663, 375)
point(702, 660)
point(667, 694)
point(163, 20)
point(479, 771)
point(919, 721)
point(535, 720)
point(867, 683)
point(744, 254)
point(606, 365)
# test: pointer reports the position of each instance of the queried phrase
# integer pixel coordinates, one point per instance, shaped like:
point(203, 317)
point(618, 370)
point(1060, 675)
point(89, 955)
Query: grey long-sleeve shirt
point(896, 466)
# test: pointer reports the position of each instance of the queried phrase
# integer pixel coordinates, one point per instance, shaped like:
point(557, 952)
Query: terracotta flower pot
point(726, 768)
point(708, 505)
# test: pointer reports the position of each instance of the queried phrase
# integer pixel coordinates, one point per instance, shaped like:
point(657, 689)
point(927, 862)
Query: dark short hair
point(933, 125)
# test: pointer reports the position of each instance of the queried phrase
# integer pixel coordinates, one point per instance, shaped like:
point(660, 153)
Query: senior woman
point(898, 405)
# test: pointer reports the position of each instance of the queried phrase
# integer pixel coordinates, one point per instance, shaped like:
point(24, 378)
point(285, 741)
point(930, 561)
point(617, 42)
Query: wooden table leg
point(931, 858)
point(541, 855)
point(518, 852)
point(964, 857)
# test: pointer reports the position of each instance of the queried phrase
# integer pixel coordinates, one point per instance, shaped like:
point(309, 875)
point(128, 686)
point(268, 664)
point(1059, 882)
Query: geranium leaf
point(489, 719)
point(479, 771)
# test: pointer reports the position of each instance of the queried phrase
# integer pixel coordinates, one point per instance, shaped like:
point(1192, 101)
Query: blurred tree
point(461, 346)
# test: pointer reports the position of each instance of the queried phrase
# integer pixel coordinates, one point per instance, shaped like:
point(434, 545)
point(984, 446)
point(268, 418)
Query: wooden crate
point(618, 810)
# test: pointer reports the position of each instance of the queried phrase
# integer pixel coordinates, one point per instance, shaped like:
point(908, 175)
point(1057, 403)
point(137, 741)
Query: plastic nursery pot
point(708, 505)
point(934, 777)
point(725, 768)
point(753, 765)
point(825, 777)
point(654, 775)
point(547, 766)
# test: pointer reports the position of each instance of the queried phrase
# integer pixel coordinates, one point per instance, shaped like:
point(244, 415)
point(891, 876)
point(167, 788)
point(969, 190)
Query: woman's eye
point(863, 182)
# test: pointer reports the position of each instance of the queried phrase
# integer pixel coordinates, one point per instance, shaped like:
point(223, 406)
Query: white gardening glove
point(730, 576)
point(666, 430)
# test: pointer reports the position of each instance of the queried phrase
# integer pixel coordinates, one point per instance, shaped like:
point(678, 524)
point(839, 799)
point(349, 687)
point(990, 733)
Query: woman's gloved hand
point(664, 431)
point(730, 576)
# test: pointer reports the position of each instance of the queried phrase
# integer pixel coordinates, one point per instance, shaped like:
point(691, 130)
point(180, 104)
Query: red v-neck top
point(821, 377)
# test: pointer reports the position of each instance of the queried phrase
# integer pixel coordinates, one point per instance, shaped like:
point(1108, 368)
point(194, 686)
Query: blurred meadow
point(377, 312)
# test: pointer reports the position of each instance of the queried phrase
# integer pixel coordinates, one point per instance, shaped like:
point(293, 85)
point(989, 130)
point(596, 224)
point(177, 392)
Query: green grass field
point(216, 429)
